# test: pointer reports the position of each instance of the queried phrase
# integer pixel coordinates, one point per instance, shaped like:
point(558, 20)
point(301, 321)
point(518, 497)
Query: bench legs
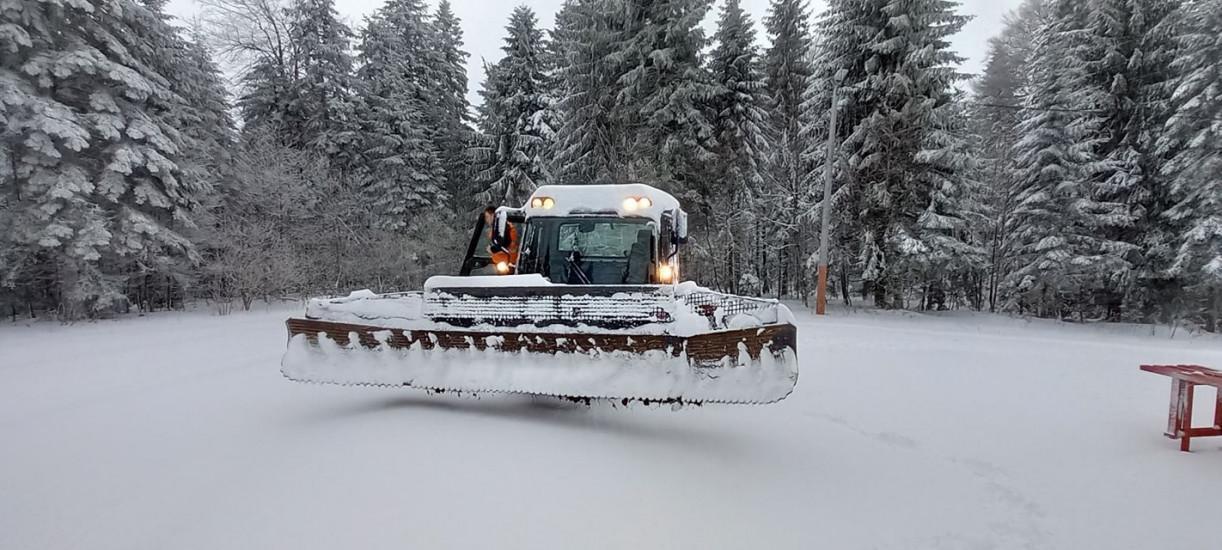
point(1183, 403)
point(1179, 415)
point(1218, 412)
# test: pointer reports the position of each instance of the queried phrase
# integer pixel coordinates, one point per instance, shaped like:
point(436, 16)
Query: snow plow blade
point(755, 365)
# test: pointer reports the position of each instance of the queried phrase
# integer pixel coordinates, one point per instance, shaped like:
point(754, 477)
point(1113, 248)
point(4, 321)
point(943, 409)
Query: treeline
point(1100, 151)
point(126, 182)
point(1081, 177)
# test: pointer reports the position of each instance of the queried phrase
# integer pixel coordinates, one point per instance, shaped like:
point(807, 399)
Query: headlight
point(502, 267)
point(536, 202)
point(548, 202)
point(666, 273)
point(632, 204)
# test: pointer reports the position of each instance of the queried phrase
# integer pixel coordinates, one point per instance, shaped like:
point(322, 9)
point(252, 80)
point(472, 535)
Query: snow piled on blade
point(365, 306)
point(407, 310)
point(653, 375)
point(486, 281)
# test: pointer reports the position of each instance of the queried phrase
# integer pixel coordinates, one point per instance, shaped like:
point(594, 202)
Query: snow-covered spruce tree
point(904, 148)
point(448, 114)
point(319, 101)
point(1055, 216)
point(560, 43)
point(787, 73)
point(554, 63)
point(1127, 49)
point(89, 172)
point(738, 103)
point(1193, 138)
point(999, 93)
point(947, 263)
point(739, 120)
point(207, 139)
point(265, 95)
point(398, 165)
point(949, 267)
point(484, 117)
point(590, 143)
point(206, 124)
point(516, 116)
point(202, 117)
point(663, 90)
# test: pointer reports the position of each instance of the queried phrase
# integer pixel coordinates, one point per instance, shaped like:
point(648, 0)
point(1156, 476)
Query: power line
point(860, 88)
point(1041, 109)
point(1065, 110)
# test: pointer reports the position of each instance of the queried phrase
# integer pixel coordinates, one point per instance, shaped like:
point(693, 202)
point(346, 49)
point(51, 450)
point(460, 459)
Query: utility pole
point(821, 291)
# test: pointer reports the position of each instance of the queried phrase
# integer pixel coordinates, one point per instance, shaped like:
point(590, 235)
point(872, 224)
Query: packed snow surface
point(905, 432)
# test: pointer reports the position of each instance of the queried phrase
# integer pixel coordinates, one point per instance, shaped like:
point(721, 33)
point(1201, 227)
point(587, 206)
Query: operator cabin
point(583, 234)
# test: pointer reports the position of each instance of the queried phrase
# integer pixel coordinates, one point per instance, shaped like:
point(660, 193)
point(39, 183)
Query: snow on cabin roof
point(604, 199)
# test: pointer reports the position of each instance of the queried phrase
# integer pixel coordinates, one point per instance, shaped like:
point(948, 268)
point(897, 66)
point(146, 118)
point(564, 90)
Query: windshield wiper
point(571, 259)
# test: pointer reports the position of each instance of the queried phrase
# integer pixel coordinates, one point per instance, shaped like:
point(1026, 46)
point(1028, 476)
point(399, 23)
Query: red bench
point(1184, 380)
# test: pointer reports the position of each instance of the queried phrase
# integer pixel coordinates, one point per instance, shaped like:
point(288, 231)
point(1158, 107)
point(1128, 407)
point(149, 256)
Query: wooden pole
point(826, 209)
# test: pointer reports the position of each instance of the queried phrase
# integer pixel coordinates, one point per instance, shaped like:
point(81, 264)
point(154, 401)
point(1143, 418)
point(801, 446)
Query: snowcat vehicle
point(590, 308)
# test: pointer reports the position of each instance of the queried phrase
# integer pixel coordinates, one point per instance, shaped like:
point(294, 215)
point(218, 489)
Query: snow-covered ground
point(905, 432)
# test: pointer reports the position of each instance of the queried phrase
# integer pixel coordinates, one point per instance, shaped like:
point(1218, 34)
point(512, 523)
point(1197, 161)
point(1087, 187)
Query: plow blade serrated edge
point(755, 365)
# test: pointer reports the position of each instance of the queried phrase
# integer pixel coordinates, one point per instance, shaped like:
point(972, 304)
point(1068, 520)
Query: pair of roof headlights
point(545, 203)
point(636, 203)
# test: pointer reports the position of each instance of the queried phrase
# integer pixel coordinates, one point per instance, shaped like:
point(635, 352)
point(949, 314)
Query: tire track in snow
point(1025, 525)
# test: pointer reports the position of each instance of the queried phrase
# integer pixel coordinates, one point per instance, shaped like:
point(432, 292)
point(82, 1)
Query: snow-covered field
point(905, 432)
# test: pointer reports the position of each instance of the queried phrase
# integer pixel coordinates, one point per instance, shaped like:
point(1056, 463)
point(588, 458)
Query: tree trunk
point(1212, 309)
point(844, 285)
point(879, 287)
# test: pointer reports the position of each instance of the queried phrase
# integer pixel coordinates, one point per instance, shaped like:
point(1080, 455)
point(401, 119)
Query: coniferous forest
point(1078, 177)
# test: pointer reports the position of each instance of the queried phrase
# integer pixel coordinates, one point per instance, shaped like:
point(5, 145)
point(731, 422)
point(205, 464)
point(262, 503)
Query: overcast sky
point(483, 23)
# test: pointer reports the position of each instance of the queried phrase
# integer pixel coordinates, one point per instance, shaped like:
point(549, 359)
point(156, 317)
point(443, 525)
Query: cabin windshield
point(603, 251)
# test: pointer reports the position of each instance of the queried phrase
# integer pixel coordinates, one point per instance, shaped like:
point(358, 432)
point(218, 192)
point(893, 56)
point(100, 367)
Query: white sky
point(483, 23)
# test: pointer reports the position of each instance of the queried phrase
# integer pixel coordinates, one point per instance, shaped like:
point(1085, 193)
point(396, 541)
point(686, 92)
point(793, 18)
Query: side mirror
point(500, 228)
point(681, 228)
point(500, 223)
point(674, 223)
